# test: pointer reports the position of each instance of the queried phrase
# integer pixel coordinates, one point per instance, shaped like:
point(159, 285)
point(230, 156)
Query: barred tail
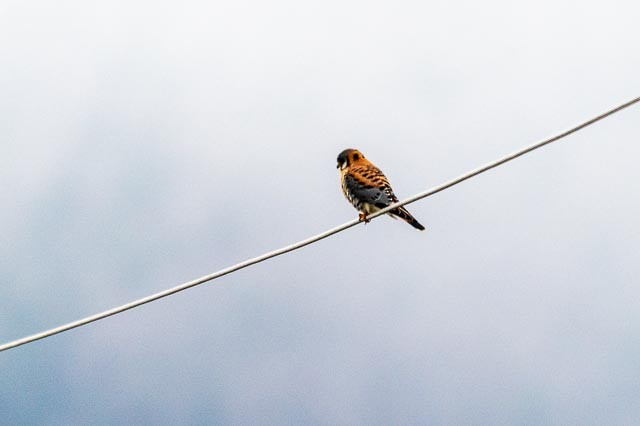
point(403, 214)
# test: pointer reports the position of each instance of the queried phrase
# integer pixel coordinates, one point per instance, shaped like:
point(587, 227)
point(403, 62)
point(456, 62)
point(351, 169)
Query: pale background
point(144, 144)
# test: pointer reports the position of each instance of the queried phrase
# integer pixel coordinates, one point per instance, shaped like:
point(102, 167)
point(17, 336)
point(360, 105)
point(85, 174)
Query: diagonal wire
point(310, 240)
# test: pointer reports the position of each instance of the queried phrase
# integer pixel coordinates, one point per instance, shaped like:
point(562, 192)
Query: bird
point(367, 188)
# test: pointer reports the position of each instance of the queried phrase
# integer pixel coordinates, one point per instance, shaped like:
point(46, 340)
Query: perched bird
point(367, 188)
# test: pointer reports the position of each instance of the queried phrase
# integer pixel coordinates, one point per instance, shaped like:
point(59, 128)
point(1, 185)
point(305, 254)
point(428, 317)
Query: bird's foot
point(363, 218)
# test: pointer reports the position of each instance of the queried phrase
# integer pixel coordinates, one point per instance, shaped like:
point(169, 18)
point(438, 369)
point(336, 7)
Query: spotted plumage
point(367, 188)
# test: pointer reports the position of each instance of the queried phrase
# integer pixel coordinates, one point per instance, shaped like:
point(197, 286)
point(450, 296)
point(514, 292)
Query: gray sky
point(147, 144)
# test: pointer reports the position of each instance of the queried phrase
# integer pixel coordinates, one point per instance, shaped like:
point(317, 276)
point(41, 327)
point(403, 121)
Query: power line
point(300, 244)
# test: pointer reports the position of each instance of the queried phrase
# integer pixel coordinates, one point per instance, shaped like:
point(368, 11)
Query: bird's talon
point(363, 218)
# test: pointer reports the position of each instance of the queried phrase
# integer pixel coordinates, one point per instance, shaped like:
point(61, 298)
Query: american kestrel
point(367, 188)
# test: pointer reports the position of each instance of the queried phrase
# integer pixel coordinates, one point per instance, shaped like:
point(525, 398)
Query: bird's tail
point(403, 214)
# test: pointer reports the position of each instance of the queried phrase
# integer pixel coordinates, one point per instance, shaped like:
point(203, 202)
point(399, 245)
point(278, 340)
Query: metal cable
point(310, 240)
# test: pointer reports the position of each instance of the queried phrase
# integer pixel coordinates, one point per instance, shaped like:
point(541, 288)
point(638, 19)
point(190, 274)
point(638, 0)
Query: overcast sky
point(144, 144)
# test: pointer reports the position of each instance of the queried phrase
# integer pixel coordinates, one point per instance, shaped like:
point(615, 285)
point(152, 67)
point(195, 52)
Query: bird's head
point(348, 157)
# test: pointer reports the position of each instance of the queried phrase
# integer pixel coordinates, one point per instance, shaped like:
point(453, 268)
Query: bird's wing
point(369, 185)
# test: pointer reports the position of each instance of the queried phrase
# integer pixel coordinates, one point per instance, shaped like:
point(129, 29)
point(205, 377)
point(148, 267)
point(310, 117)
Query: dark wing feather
point(368, 184)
